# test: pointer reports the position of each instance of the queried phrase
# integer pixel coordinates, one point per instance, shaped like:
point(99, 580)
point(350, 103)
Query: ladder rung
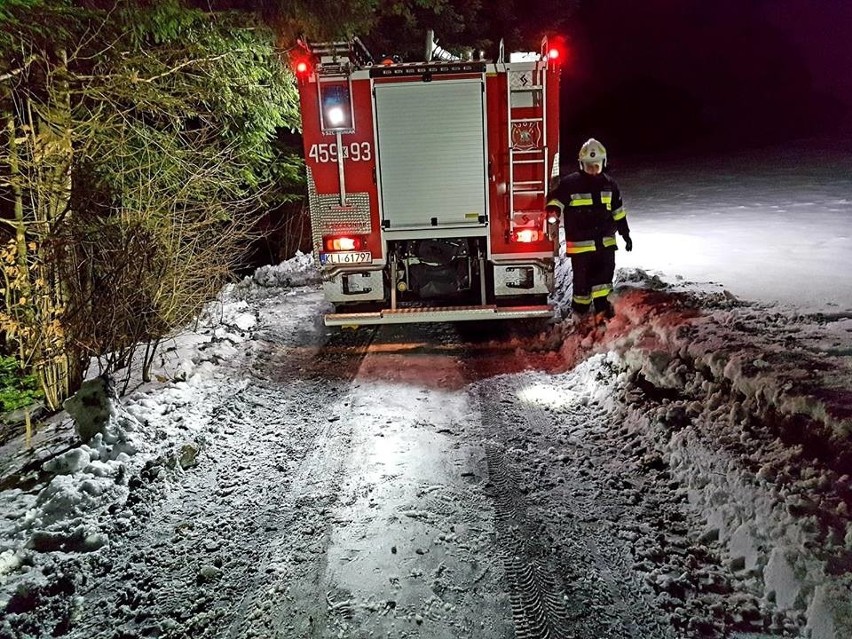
point(537, 87)
point(526, 161)
point(513, 120)
point(527, 182)
point(529, 151)
point(528, 191)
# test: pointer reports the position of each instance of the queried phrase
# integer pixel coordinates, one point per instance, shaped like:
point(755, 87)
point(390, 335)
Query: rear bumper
point(438, 314)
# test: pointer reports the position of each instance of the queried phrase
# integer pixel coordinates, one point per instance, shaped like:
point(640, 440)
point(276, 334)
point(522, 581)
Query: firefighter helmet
point(591, 153)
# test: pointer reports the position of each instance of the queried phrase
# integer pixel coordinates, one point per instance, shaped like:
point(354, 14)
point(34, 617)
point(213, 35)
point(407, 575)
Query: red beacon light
point(557, 50)
point(301, 67)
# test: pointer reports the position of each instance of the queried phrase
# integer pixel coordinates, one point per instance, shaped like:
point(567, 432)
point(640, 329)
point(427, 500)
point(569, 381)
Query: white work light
point(336, 107)
point(335, 116)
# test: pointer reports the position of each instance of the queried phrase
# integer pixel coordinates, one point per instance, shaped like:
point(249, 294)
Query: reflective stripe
point(582, 299)
point(609, 240)
point(557, 204)
point(581, 199)
point(619, 214)
point(584, 246)
point(582, 249)
point(601, 290)
point(606, 198)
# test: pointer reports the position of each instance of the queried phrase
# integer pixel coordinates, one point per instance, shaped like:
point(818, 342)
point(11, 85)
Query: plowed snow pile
point(751, 410)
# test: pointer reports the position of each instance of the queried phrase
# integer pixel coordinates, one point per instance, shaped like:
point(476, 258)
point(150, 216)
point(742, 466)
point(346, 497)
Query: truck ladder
point(527, 134)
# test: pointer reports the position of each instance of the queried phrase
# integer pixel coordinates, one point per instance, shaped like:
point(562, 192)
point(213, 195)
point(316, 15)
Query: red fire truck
point(426, 182)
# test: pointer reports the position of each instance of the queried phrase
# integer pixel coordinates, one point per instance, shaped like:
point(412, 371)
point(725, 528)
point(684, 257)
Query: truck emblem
point(525, 136)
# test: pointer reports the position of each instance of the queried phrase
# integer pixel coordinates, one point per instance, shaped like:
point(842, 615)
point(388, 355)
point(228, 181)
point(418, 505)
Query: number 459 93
point(355, 151)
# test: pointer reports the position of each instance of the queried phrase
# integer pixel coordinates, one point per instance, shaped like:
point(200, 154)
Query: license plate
point(355, 257)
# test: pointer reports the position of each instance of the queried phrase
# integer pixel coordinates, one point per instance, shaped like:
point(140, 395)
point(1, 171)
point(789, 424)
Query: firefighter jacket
point(592, 212)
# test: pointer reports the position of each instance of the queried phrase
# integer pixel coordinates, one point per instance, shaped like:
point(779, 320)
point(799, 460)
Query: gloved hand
point(628, 243)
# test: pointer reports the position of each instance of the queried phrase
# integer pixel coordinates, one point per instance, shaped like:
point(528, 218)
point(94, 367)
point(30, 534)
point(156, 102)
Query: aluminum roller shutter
point(431, 152)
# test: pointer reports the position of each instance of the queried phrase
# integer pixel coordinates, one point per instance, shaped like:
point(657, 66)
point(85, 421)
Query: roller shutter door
point(431, 152)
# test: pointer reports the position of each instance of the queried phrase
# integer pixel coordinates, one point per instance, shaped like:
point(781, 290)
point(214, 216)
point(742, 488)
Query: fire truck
point(426, 181)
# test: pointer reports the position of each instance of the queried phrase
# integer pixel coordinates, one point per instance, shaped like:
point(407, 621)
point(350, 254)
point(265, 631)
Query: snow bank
point(300, 270)
point(76, 487)
point(750, 409)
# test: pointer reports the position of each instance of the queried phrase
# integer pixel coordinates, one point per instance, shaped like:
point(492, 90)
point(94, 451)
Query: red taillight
point(553, 53)
point(301, 67)
point(527, 235)
point(344, 243)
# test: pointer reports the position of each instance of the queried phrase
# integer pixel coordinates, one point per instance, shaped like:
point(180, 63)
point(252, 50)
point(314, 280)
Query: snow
point(773, 225)
point(727, 370)
point(298, 271)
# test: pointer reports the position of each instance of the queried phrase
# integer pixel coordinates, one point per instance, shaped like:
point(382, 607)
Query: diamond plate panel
point(528, 79)
point(329, 218)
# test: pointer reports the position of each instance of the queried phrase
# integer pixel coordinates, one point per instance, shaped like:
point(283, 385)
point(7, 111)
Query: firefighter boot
point(603, 311)
point(580, 321)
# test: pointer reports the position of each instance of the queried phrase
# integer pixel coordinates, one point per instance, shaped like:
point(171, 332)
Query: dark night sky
point(660, 75)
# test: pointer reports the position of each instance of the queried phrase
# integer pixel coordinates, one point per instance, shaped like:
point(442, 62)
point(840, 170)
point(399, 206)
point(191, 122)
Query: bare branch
point(11, 74)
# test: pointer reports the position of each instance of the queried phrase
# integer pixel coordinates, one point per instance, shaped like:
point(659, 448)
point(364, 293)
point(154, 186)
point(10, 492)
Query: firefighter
point(589, 203)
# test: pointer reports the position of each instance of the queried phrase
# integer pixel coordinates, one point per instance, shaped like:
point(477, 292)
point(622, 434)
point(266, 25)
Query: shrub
point(16, 388)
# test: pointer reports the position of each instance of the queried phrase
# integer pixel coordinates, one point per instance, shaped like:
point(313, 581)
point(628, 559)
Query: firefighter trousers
point(593, 272)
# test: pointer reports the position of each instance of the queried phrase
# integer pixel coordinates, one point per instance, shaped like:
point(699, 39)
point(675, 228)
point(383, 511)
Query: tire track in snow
point(536, 594)
point(314, 482)
point(568, 574)
point(407, 539)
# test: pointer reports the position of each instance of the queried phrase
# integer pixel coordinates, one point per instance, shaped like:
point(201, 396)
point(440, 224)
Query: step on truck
point(426, 181)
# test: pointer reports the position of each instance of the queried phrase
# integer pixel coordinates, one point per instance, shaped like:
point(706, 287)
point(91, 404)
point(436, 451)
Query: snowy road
point(684, 475)
point(416, 481)
point(681, 475)
point(382, 496)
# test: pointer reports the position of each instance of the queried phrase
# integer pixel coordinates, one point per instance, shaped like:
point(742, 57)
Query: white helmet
point(592, 152)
